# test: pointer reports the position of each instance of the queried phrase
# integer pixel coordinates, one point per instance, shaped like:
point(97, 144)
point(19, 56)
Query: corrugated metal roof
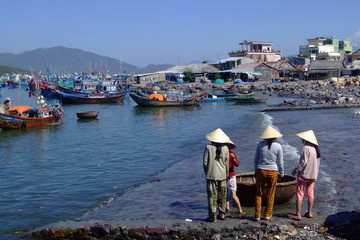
point(195, 68)
point(282, 65)
point(230, 59)
point(324, 64)
point(246, 67)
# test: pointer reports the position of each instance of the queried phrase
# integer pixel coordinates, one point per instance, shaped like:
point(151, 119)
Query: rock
point(157, 231)
point(291, 231)
point(341, 81)
point(137, 233)
point(99, 231)
point(342, 219)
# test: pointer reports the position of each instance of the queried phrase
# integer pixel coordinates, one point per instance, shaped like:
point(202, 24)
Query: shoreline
point(232, 228)
point(312, 107)
point(333, 93)
point(341, 225)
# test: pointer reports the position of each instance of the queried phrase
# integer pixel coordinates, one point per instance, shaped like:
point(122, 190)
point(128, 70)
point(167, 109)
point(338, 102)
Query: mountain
point(68, 60)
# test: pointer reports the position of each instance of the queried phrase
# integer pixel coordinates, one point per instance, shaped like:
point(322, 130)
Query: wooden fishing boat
point(217, 97)
point(28, 117)
point(285, 189)
point(87, 114)
point(90, 98)
point(248, 98)
point(144, 101)
point(70, 91)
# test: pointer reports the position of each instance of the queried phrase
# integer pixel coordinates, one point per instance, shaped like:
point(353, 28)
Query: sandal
point(295, 217)
point(308, 216)
point(242, 213)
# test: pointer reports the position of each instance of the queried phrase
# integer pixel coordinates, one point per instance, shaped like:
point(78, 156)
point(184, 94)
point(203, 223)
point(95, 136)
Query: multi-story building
point(258, 51)
point(322, 48)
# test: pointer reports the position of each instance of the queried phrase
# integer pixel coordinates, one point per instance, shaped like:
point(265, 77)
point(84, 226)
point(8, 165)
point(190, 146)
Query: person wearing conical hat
point(216, 168)
point(307, 172)
point(268, 162)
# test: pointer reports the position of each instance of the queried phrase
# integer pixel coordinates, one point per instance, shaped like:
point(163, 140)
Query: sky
point(143, 32)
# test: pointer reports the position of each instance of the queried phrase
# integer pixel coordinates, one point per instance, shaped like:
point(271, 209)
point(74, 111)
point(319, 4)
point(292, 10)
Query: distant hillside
point(6, 69)
point(68, 60)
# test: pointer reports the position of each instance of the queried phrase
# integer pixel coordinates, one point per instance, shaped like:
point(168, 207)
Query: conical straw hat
point(270, 132)
point(218, 136)
point(308, 136)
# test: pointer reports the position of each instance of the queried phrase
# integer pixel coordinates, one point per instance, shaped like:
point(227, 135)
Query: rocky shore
point(335, 91)
point(342, 225)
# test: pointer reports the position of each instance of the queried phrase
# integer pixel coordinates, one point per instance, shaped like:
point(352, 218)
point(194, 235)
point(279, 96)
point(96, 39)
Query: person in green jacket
point(216, 168)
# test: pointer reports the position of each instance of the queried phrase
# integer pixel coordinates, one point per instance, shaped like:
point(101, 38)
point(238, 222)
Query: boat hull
point(285, 189)
point(251, 100)
point(88, 99)
point(144, 101)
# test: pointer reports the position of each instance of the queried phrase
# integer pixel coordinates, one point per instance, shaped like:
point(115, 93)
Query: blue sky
point(143, 32)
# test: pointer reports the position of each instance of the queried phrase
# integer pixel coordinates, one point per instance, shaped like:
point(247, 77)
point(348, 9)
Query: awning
point(252, 73)
point(19, 109)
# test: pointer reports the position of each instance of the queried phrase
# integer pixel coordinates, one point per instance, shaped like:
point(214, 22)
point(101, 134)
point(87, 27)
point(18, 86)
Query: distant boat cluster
point(87, 90)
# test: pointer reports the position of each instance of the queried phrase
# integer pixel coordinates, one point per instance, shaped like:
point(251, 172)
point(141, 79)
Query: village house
point(325, 48)
point(258, 51)
point(354, 56)
point(175, 74)
point(322, 69)
point(232, 62)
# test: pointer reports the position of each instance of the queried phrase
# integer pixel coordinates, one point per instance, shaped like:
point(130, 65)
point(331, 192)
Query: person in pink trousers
point(307, 173)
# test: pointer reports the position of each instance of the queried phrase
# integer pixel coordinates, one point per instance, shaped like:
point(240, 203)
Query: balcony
point(239, 53)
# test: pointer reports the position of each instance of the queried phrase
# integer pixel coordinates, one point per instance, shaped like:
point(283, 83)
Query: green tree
point(189, 76)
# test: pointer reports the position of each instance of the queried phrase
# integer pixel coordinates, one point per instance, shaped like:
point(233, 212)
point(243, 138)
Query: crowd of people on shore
point(219, 164)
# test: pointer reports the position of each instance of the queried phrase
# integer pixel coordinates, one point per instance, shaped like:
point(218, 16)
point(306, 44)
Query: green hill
point(6, 69)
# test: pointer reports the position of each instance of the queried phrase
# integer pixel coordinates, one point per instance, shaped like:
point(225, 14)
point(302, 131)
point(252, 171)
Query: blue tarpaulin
point(274, 80)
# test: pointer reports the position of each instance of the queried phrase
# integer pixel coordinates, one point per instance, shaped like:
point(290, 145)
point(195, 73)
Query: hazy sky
point(143, 32)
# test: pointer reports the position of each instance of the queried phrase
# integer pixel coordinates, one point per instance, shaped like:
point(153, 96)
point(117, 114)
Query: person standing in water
point(307, 173)
point(268, 162)
point(216, 168)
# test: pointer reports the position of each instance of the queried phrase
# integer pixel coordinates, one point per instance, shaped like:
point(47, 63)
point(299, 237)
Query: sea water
point(146, 163)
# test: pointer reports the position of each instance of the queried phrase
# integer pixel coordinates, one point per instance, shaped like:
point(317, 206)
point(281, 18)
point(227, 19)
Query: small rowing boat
point(285, 189)
point(87, 114)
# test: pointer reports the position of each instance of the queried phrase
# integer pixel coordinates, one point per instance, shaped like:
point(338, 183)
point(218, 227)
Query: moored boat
point(145, 101)
point(90, 98)
point(217, 97)
point(246, 98)
point(28, 117)
point(285, 189)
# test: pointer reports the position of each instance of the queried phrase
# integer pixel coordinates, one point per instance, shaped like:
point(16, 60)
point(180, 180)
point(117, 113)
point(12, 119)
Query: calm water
point(135, 163)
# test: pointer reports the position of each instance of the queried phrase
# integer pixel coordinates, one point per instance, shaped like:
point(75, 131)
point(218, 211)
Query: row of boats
point(27, 117)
